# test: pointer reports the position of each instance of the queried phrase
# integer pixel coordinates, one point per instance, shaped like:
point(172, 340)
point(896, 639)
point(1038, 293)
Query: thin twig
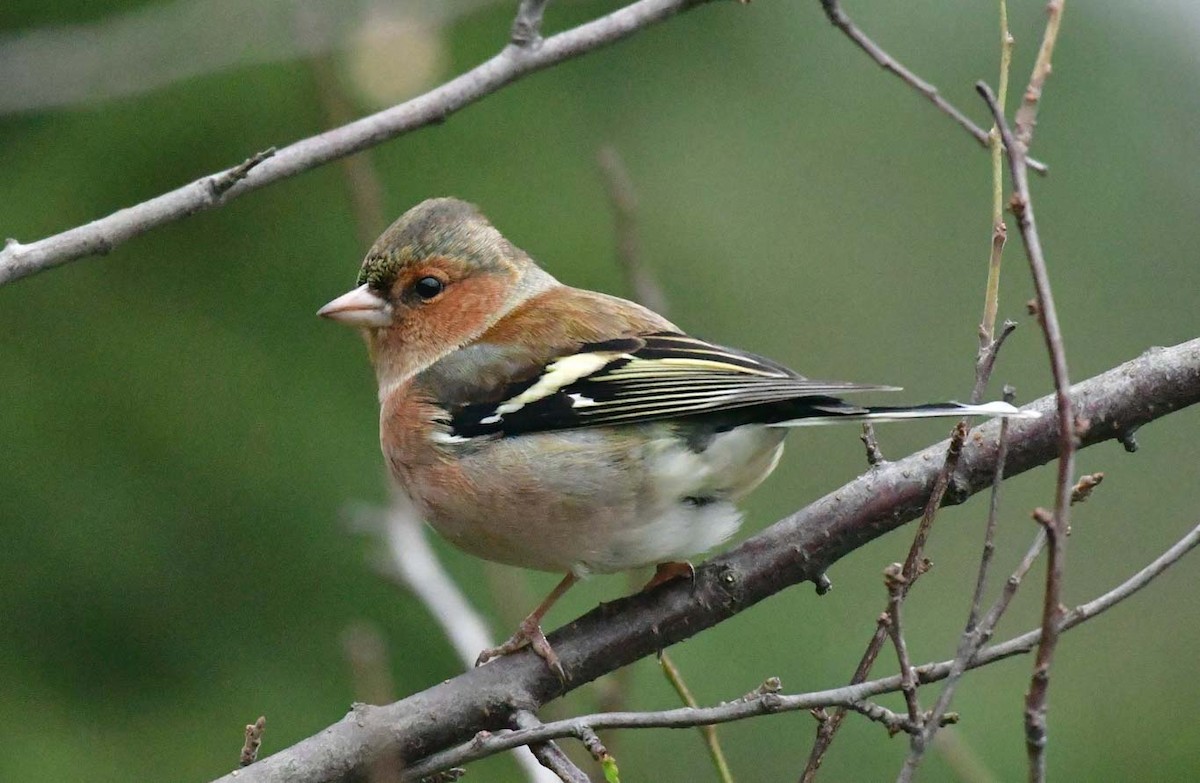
point(527, 26)
point(991, 301)
point(768, 703)
point(973, 634)
point(548, 754)
point(1022, 206)
point(840, 20)
point(985, 362)
point(914, 565)
point(1026, 116)
point(989, 528)
point(1085, 486)
point(871, 443)
point(969, 645)
point(254, 733)
point(892, 721)
point(19, 260)
point(972, 639)
point(826, 731)
point(220, 184)
point(707, 733)
point(893, 579)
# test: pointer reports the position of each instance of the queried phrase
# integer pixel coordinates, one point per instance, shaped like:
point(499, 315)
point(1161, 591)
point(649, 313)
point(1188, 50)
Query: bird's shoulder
point(520, 345)
point(579, 359)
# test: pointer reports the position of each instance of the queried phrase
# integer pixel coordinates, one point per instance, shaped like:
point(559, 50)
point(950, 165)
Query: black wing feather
point(647, 378)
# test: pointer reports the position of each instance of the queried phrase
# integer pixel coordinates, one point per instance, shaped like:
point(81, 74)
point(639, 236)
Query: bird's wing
point(638, 379)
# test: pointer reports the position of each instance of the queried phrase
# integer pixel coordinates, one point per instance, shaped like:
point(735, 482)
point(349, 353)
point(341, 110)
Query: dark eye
point(428, 287)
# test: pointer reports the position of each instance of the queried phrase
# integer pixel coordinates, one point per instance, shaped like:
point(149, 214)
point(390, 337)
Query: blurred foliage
point(180, 432)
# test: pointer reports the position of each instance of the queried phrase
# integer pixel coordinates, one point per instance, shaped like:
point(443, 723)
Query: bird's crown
point(438, 227)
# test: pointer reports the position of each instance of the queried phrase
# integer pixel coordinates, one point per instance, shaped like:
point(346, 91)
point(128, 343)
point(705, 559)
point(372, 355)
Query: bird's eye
point(428, 287)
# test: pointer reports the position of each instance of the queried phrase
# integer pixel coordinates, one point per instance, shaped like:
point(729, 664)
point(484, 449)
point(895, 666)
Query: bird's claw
point(666, 572)
point(528, 633)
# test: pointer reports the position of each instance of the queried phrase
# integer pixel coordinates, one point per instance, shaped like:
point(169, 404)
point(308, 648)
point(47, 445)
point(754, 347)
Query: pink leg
point(530, 632)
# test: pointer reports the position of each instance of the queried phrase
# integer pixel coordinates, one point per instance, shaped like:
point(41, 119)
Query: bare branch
point(893, 578)
point(548, 754)
point(985, 362)
point(796, 549)
point(19, 260)
point(989, 528)
point(1026, 116)
point(915, 564)
point(991, 299)
point(892, 721)
point(840, 20)
point(767, 702)
point(973, 636)
point(1022, 206)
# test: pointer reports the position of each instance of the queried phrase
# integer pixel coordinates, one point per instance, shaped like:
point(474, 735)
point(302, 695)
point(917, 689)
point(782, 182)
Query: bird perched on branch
point(565, 430)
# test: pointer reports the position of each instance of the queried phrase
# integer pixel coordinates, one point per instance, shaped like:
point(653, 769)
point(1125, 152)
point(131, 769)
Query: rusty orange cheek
point(459, 314)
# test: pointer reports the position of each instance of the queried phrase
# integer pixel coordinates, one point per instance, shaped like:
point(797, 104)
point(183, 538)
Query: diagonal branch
point(796, 549)
point(839, 19)
point(515, 61)
point(768, 701)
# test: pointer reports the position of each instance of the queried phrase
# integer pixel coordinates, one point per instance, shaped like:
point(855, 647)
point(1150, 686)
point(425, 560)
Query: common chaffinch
point(566, 430)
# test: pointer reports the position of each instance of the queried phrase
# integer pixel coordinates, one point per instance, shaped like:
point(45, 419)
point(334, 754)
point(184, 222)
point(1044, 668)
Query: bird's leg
point(665, 572)
point(530, 632)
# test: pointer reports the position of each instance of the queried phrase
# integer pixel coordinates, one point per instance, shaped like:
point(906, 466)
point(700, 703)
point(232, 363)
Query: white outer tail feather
point(950, 409)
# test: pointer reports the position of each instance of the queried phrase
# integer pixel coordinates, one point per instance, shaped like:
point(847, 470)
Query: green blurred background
point(180, 433)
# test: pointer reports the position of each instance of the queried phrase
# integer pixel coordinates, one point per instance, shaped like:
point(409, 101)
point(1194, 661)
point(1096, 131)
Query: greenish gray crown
point(444, 227)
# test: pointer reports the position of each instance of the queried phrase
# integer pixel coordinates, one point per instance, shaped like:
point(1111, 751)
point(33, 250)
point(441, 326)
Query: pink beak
point(360, 307)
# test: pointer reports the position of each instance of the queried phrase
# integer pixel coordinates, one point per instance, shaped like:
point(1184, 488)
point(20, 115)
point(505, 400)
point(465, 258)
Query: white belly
point(691, 508)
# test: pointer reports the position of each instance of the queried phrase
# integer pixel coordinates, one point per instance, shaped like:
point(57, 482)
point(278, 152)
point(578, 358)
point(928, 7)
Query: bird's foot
point(529, 632)
point(665, 572)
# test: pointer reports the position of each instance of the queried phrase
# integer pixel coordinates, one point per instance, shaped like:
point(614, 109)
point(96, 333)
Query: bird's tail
point(833, 414)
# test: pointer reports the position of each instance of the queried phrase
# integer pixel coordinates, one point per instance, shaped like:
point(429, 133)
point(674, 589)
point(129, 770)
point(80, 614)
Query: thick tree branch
point(19, 260)
point(796, 549)
point(768, 700)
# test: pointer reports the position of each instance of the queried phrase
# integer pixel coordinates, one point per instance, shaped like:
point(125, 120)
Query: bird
point(566, 430)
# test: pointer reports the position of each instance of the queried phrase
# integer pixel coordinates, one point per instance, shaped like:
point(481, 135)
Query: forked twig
point(767, 701)
point(1059, 522)
point(840, 20)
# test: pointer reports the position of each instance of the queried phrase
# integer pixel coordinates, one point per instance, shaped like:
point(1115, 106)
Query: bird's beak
point(359, 307)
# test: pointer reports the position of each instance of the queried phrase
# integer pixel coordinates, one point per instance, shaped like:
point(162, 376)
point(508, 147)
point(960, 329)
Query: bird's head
point(434, 280)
